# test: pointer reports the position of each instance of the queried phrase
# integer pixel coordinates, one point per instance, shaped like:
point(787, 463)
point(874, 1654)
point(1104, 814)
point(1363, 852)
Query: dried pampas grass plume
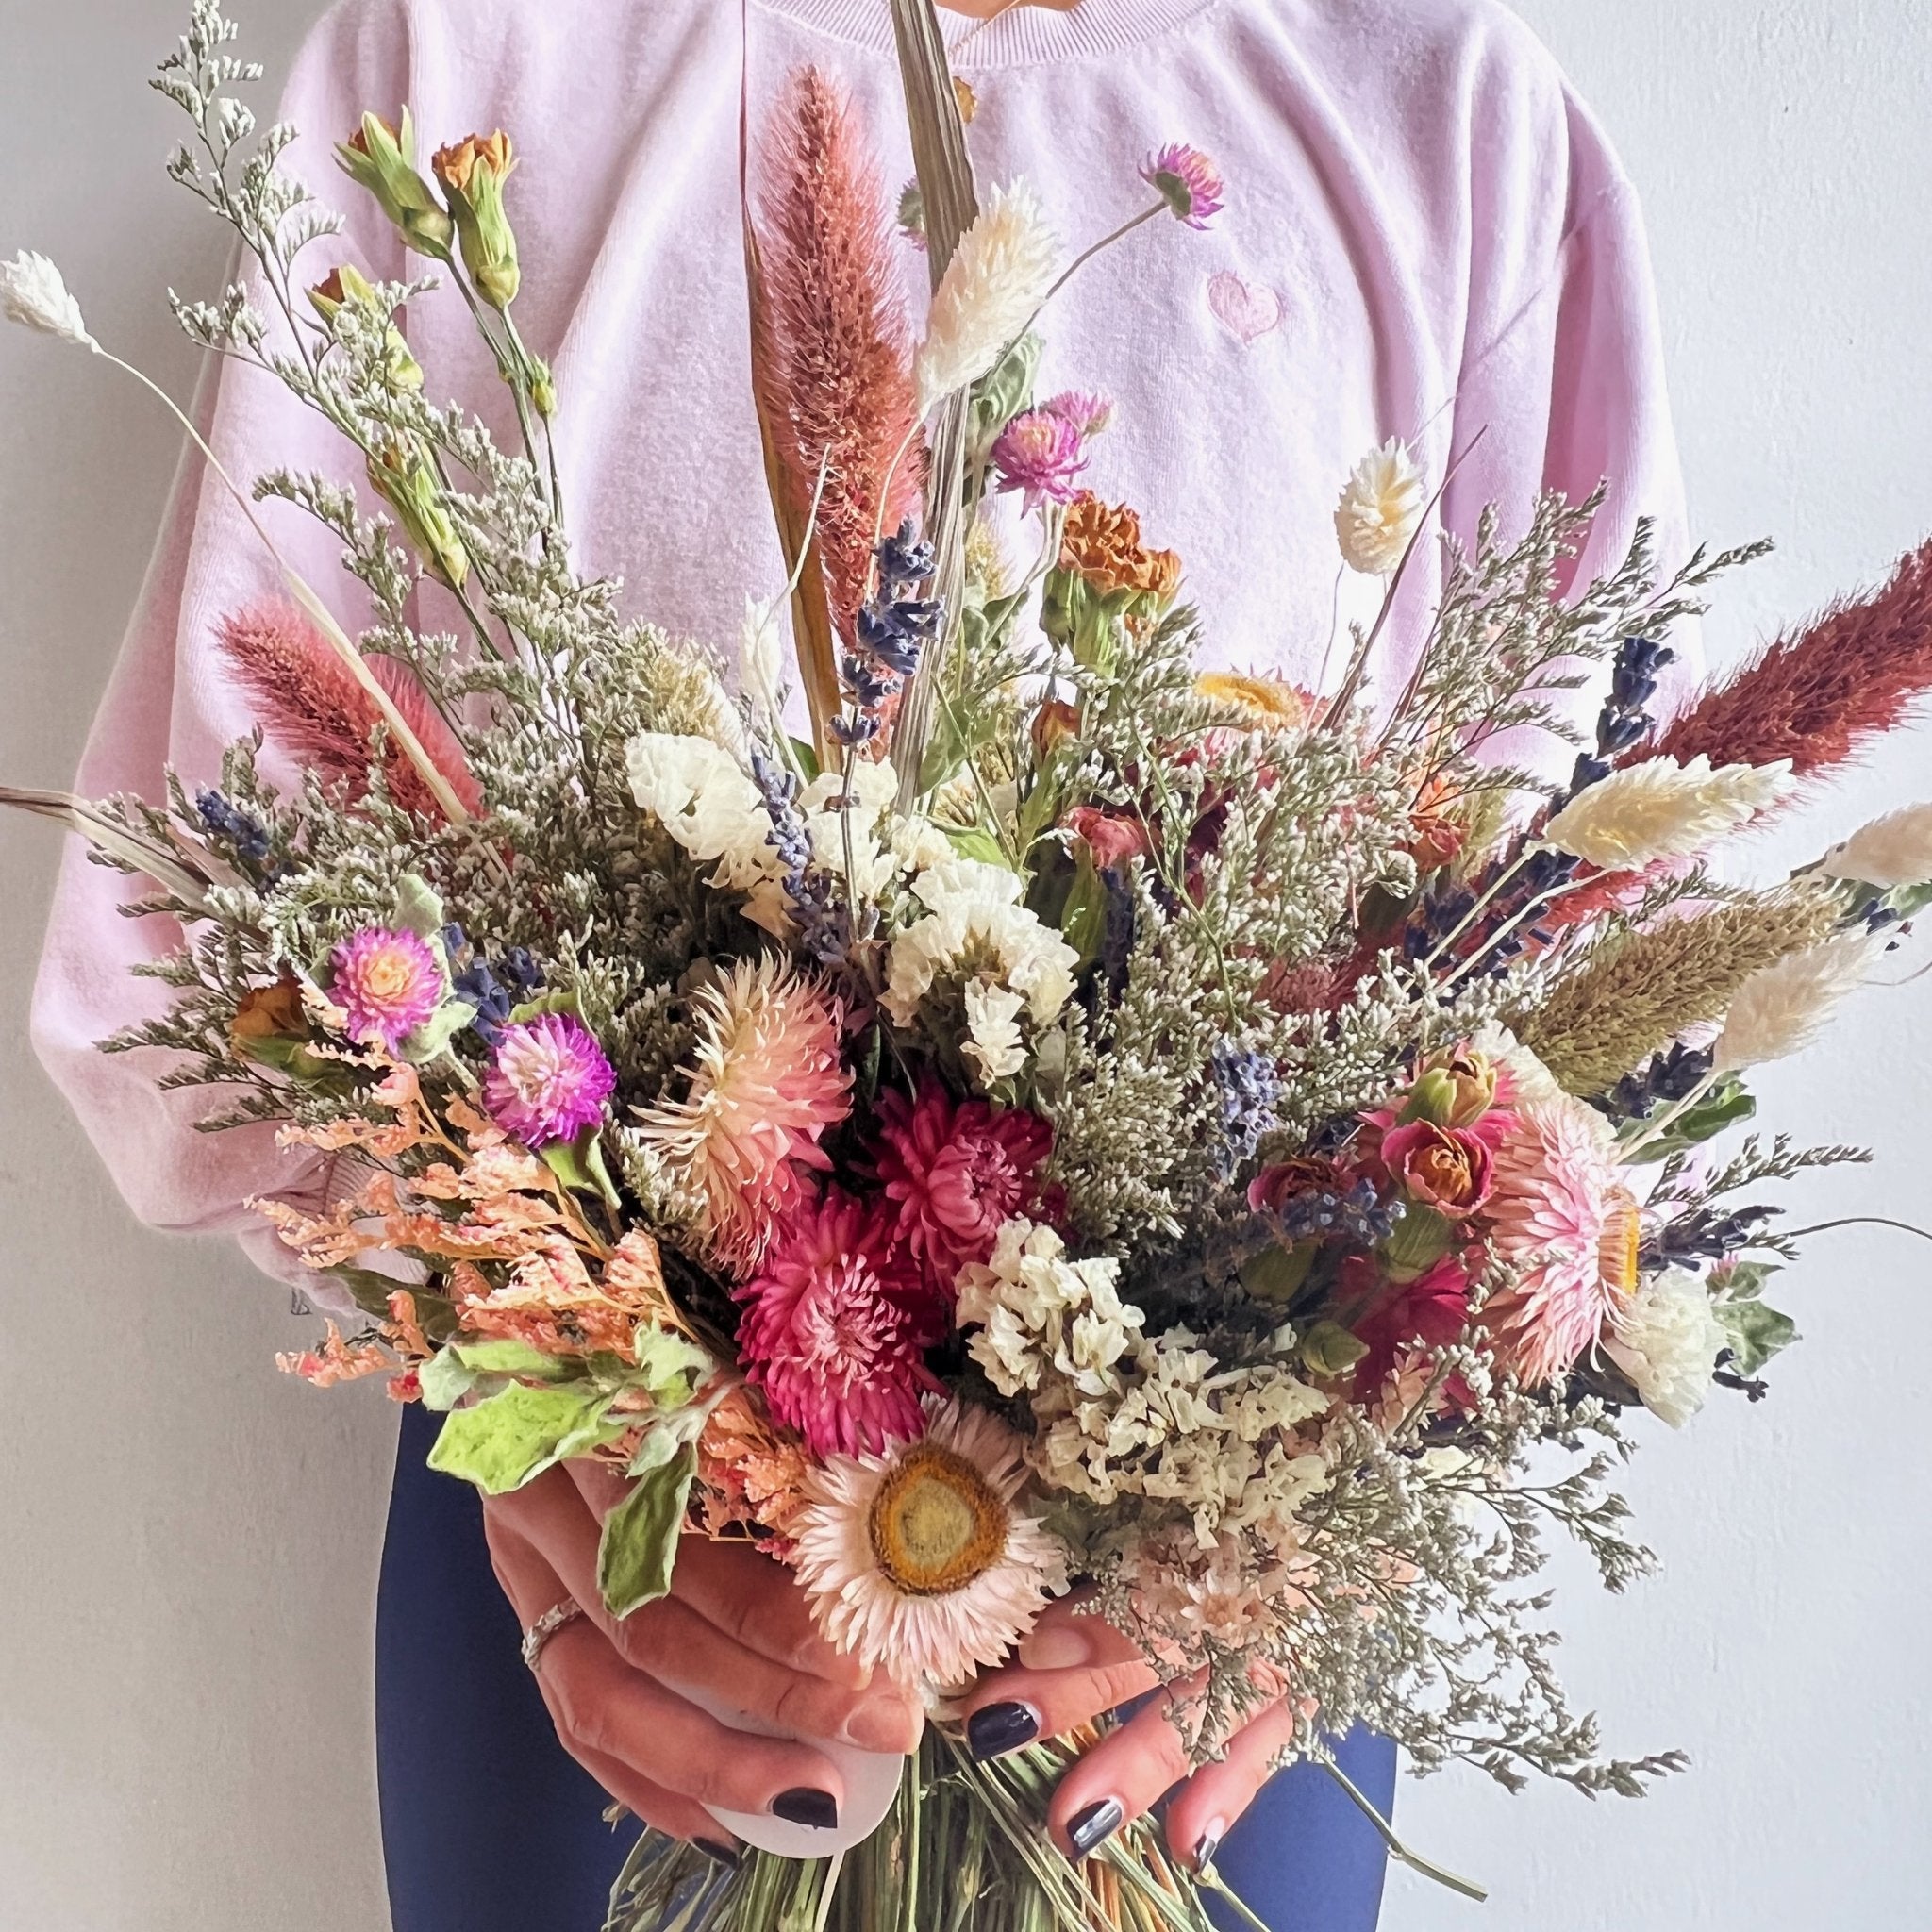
point(312, 706)
point(833, 351)
point(1822, 697)
point(1781, 1009)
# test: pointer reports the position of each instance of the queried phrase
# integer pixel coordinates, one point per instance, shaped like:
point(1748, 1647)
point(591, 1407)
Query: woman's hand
point(735, 1625)
point(1073, 1668)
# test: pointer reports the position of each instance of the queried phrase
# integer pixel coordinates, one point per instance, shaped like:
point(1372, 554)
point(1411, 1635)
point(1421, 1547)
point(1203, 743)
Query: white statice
point(999, 275)
point(1891, 852)
point(1381, 509)
point(1661, 809)
point(1123, 1413)
point(701, 795)
point(993, 1044)
point(1667, 1339)
point(1041, 1319)
point(33, 294)
point(1781, 1009)
point(976, 928)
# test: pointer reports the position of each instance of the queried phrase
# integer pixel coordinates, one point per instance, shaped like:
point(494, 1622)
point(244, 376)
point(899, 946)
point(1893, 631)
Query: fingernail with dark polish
point(1205, 1851)
point(819, 1809)
point(1000, 1728)
point(719, 1854)
point(1088, 1830)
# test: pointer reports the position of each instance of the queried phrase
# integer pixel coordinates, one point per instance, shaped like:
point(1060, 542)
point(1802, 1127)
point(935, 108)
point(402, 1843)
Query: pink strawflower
point(767, 1085)
point(386, 982)
point(1188, 182)
point(1042, 453)
point(1088, 412)
point(827, 1335)
point(548, 1080)
point(956, 1172)
point(1566, 1221)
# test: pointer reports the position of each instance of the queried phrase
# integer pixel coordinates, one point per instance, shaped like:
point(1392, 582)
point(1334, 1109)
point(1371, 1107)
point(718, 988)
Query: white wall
point(187, 1563)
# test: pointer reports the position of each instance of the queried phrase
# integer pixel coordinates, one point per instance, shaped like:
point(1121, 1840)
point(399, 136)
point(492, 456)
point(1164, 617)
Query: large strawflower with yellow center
point(918, 1561)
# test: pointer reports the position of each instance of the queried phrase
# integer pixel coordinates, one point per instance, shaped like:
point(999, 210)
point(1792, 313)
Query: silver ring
point(547, 1627)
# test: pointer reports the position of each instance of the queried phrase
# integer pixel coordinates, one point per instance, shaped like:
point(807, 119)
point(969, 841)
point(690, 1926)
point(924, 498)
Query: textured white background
point(188, 1550)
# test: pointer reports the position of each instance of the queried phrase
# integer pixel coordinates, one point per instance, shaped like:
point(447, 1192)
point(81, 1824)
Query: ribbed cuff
point(1023, 36)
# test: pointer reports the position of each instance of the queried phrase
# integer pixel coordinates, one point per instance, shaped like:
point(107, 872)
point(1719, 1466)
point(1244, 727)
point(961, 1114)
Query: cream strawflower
point(1381, 509)
point(1780, 1009)
point(998, 276)
point(972, 912)
point(706, 801)
point(33, 293)
point(1895, 850)
point(1667, 1339)
point(766, 1083)
point(1662, 810)
point(917, 1561)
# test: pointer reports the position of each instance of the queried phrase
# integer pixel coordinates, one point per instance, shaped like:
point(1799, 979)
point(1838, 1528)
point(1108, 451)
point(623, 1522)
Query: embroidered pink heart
point(1247, 314)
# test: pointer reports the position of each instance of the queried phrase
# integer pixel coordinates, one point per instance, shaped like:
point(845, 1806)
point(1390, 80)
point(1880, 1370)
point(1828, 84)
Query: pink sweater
point(1425, 237)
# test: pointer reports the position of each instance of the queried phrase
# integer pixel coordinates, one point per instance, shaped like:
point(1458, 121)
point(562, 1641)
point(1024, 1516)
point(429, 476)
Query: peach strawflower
point(1565, 1219)
point(767, 1084)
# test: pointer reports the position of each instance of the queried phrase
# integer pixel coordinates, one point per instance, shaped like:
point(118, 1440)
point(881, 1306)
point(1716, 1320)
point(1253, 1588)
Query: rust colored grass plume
point(312, 707)
point(832, 354)
point(1822, 697)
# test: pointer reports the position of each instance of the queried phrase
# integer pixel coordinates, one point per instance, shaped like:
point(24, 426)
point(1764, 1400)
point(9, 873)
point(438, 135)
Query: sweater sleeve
point(169, 704)
point(1563, 374)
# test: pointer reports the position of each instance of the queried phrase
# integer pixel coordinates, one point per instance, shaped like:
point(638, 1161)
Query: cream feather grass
point(1782, 1010)
point(1892, 851)
point(998, 276)
point(1661, 809)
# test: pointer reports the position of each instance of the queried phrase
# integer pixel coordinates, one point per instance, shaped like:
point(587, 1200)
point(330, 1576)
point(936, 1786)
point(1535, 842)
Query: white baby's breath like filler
point(1781, 1009)
point(33, 293)
point(1000, 274)
point(1661, 809)
point(1381, 509)
point(1895, 850)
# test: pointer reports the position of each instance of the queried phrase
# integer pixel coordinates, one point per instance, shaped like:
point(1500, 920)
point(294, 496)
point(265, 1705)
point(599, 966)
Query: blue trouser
point(488, 1826)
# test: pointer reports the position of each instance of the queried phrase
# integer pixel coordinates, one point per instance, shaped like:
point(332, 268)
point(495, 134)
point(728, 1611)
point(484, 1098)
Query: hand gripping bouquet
point(1061, 1120)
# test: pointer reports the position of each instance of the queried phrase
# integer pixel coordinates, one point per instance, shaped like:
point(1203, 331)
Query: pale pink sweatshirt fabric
point(1426, 236)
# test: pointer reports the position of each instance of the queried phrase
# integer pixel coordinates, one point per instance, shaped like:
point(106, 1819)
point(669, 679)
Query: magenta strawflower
point(548, 1080)
point(956, 1172)
point(1042, 453)
point(1188, 182)
point(827, 1334)
point(386, 982)
point(1088, 412)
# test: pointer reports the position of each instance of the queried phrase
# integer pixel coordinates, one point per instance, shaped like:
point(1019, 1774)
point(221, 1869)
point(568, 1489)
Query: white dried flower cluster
point(1000, 274)
point(1127, 1414)
point(1892, 851)
point(975, 928)
point(1661, 809)
point(1381, 509)
point(1781, 1009)
point(1667, 1339)
point(33, 293)
point(700, 793)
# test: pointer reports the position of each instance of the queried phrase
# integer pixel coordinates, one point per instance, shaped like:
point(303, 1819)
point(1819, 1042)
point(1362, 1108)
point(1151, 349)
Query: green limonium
point(382, 160)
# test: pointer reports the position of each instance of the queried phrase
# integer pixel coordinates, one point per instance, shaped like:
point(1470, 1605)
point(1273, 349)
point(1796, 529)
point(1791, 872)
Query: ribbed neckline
point(1023, 35)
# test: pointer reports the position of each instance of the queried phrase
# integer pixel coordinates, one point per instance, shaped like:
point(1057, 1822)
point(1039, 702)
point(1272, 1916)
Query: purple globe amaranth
point(548, 1080)
point(387, 982)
